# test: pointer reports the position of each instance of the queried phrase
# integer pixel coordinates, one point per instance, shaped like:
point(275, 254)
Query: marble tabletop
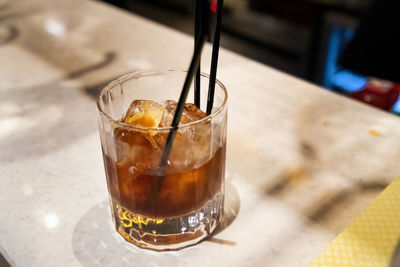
point(301, 161)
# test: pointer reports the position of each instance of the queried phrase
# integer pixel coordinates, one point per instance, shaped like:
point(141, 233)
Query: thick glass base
point(171, 233)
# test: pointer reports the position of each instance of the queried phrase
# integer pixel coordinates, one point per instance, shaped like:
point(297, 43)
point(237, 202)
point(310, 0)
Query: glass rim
point(149, 72)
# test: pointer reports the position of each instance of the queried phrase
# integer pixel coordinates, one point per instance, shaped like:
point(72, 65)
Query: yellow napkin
point(371, 238)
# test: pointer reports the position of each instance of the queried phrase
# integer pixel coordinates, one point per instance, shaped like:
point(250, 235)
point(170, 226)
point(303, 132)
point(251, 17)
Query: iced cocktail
point(182, 203)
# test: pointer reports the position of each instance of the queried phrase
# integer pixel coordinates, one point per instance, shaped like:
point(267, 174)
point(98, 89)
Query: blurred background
point(347, 46)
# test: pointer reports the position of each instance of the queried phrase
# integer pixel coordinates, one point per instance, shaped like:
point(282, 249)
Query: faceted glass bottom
point(170, 233)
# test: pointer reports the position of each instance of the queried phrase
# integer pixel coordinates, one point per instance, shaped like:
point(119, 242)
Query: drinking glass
point(184, 203)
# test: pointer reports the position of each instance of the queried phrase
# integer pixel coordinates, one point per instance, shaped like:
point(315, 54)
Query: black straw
point(214, 59)
point(197, 31)
point(194, 66)
point(182, 99)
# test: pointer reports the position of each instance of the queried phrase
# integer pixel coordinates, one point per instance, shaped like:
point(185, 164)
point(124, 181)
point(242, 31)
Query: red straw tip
point(213, 6)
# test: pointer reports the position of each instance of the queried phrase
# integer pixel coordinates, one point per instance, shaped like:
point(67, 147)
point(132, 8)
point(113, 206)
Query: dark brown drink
point(181, 191)
point(182, 202)
point(148, 200)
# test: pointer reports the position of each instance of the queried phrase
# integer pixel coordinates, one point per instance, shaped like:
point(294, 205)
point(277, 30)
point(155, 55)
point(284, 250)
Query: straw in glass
point(197, 30)
point(182, 99)
point(214, 59)
point(194, 64)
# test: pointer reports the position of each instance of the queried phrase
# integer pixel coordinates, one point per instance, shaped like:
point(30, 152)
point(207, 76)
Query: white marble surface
point(301, 161)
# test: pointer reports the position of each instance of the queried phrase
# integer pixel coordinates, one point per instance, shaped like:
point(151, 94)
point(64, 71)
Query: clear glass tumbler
point(183, 204)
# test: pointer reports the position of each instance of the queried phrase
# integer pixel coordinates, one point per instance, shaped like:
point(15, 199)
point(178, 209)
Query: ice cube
point(191, 145)
point(190, 113)
point(136, 149)
point(193, 113)
point(146, 113)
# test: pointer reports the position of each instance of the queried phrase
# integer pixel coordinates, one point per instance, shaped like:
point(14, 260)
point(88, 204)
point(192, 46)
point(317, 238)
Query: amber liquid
point(137, 185)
